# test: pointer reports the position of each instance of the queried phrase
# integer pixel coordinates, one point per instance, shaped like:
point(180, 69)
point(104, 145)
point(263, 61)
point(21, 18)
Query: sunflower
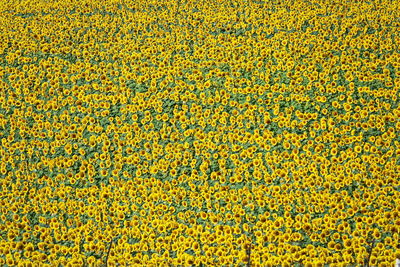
point(103, 172)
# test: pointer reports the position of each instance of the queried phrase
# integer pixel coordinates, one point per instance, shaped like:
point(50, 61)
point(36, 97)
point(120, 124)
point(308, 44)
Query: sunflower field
point(199, 133)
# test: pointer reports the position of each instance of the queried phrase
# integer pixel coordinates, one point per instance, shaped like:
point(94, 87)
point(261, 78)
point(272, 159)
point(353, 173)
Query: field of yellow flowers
point(199, 133)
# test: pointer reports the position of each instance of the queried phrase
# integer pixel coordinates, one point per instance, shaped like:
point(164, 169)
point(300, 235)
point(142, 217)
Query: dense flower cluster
point(199, 132)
